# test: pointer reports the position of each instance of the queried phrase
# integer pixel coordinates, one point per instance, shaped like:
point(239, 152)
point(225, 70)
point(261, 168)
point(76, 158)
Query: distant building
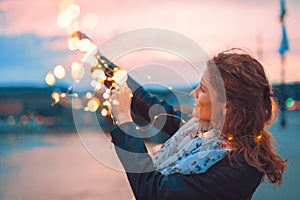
point(29, 107)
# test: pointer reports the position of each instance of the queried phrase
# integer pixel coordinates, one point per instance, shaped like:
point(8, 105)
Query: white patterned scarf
point(190, 151)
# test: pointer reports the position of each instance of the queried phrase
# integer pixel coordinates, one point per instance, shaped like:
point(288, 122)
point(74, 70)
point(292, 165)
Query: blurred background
point(41, 154)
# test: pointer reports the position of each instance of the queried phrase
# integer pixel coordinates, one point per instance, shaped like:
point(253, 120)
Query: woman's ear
point(226, 105)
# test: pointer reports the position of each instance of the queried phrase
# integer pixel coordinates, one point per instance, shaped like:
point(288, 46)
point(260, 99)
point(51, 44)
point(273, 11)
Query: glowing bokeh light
point(59, 72)
point(11, 120)
point(77, 71)
point(72, 43)
point(104, 112)
point(120, 77)
point(24, 119)
point(106, 103)
point(50, 79)
point(93, 61)
point(90, 20)
point(93, 104)
point(40, 119)
point(84, 45)
point(98, 86)
point(63, 21)
point(55, 96)
point(75, 65)
point(290, 102)
point(98, 74)
point(89, 95)
point(258, 137)
point(106, 95)
point(93, 83)
point(72, 11)
point(230, 137)
point(66, 16)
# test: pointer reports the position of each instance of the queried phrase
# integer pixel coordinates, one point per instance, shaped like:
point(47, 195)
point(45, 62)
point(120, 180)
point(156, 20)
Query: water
point(56, 165)
point(12, 143)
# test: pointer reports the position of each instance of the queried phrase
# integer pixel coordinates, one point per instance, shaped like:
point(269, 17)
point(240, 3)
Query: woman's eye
point(202, 89)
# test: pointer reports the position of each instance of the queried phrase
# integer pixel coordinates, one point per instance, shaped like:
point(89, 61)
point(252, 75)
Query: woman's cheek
point(196, 112)
point(203, 99)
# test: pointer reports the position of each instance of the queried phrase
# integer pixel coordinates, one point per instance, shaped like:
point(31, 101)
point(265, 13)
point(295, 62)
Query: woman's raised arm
point(151, 109)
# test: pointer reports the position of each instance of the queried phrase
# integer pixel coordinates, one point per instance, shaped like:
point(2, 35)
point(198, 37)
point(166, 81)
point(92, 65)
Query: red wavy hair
point(251, 109)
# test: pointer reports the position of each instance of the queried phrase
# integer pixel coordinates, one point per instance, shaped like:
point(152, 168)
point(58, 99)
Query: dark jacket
point(224, 180)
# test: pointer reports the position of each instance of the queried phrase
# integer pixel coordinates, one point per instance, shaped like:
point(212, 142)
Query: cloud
point(32, 16)
point(216, 18)
point(25, 57)
point(215, 25)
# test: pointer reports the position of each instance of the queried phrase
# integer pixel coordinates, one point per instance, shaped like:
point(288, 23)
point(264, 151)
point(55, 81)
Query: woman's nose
point(193, 93)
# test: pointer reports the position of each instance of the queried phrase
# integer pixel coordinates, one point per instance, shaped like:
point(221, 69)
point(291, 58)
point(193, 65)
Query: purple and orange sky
point(32, 43)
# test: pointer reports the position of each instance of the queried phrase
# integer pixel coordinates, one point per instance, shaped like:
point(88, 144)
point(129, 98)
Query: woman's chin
point(196, 112)
point(195, 116)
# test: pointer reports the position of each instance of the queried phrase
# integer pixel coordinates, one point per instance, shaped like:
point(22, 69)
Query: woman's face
point(202, 106)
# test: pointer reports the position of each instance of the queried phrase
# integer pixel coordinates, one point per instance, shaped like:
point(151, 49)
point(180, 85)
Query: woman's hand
point(121, 102)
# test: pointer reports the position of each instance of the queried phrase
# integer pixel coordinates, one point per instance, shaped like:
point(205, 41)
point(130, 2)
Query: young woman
point(223, 152)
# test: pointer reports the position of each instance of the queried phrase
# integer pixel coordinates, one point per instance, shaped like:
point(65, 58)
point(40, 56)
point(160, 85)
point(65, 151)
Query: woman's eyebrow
point(202, 84)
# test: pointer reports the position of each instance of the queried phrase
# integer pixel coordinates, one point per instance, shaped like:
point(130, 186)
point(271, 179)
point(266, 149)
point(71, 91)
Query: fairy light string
point(155, 118)
point(256, 137)
point(105, 75)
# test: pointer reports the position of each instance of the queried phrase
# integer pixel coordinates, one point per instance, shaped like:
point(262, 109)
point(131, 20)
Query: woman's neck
point(204, 125)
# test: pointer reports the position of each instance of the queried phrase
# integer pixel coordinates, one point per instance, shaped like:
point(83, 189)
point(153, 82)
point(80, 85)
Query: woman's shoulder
point(237, 167)
point(236, 177)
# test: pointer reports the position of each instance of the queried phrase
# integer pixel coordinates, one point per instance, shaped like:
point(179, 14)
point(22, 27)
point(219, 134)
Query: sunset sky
point(32, 43)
